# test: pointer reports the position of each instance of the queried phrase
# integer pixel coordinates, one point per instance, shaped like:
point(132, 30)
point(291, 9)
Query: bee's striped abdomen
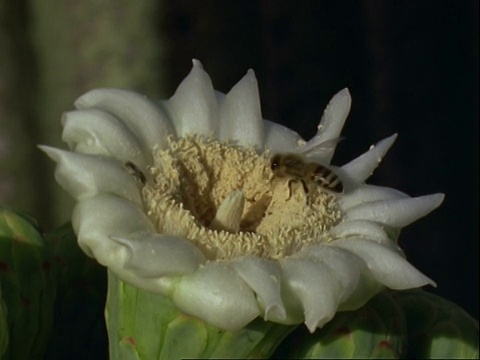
point(327, 179)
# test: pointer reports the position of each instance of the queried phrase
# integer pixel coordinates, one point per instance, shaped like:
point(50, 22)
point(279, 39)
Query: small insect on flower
point(133, 170)
point(296, 168)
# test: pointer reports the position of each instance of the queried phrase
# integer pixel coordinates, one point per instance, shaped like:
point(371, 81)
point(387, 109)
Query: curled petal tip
point(50, 151)
point(154, 256)
point(248, 83)
point(341, 102)
point(389, 141)
point(197, 64)
point(278, 310)
point(396, 212)
point(241, 115)
point(194, 106)
point(311, 327)
point(251, 75)
point(345, 96)
point(439, 198)
point(144, 118)
point(361, 168)
point(381, 148)
point(332, 122)
point(428, 203)
point(388, 267)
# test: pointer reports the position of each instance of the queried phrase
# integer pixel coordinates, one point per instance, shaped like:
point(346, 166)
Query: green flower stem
point(143, 325)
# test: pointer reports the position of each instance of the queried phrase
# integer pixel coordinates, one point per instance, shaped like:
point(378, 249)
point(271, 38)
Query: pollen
point(221, 197)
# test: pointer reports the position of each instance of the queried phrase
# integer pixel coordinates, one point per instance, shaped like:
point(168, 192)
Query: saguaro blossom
point(178, 197)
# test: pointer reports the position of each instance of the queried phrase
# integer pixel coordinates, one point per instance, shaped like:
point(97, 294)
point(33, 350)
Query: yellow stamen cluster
point(220, 196)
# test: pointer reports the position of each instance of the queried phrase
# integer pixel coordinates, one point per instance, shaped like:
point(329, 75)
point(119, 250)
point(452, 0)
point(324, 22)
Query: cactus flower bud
point(437, 328)
point(375, 331)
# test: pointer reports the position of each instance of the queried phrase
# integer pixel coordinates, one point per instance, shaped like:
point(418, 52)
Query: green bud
point(375, 331)
point(437, 328)
point(144, 325)
point(27, 286)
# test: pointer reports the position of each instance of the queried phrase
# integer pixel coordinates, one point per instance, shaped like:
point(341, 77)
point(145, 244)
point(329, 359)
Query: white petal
point(143, 117)
point(264, 277)
point(241, 115)
point(216, 294)
point(279, 138)
point(330, 126)
point(84, 176)
point(367, 288)
point(387, 266)
point(345, 266)
point(360, 228)
point(314, 286)
point(194, 107)
point(360, 169)
point(97, 132)
point(357, 283)
point(96, 220)
point(154, 255)
point(397, 213)
point(369, 193)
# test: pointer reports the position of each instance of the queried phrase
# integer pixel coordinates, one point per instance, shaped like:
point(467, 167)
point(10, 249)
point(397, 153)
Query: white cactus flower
point(178, 197)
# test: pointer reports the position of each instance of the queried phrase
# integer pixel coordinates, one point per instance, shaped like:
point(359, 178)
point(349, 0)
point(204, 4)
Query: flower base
point(144, 325)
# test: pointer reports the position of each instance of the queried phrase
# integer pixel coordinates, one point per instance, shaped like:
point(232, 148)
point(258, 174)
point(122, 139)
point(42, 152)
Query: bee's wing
point(318, 149)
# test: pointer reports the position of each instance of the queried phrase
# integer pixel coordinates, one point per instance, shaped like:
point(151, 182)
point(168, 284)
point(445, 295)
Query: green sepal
point(437, 328)
point(144, 325)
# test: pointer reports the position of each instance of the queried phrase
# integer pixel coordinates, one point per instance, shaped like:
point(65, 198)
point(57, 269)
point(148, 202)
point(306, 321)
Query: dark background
point(411, 67)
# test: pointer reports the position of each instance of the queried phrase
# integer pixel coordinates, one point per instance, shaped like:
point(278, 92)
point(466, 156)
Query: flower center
point(225, 199)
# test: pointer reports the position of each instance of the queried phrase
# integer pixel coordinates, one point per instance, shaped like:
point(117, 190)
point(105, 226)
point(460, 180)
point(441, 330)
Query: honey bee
point(133, 170)
point(296, 168)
